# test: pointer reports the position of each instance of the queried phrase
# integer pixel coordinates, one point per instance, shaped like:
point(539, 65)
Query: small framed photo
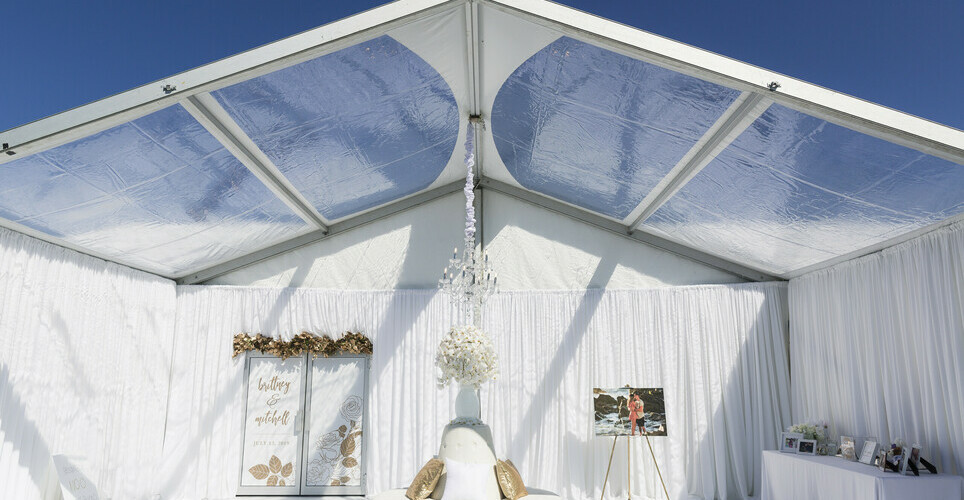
point(790, 442)
point(912, 460)
point(848, 448)
point(868, 452)
point(807, 447)
point(882, 460)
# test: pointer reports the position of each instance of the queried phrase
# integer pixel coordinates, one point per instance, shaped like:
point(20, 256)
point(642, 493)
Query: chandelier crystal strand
point(468, 279)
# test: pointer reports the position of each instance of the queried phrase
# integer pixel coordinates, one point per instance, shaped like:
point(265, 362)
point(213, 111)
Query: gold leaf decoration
point(287, 469)
point(281, 482)
point(345, 479)
point(274, 464)
point(259, 471)
point(349, 462)
point(336, 483)
point(273, 481)
point(349, 343)
point(348, 446)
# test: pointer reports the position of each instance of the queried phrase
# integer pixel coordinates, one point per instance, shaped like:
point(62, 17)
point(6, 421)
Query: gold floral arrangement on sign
point(323, 345)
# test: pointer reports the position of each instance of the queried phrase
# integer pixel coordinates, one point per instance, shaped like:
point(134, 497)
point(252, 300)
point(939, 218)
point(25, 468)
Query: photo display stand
point(629, 468)
point(609, 406)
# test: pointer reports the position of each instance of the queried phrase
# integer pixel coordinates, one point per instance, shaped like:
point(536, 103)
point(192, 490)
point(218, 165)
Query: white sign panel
point(73, 483)
point(272, 432)
point(335, 415)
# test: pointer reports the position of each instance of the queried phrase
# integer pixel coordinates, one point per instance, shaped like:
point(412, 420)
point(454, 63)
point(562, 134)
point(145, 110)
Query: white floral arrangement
point(467, 356)
point(810, 430)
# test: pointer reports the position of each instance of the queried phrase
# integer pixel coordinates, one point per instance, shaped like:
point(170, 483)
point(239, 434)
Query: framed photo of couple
point(790, 442)
point(629, 411)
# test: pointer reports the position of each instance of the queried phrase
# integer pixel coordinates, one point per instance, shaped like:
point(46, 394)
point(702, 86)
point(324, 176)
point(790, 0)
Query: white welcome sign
point(273, 427)
point(335, 425)
point(73, 483)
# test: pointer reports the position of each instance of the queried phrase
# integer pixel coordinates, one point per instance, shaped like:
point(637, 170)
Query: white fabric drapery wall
point(84, 364)
point(877, 344)
point(719, 352)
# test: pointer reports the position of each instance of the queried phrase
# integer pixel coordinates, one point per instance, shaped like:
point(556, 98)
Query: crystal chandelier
point(469, 279)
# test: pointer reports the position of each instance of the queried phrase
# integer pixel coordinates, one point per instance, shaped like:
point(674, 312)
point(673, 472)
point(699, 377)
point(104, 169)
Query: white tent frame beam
point(737, 118)
point(863, 116)
point(209, 113)
point(121, 108)
point(474, 68)
point(619, 229)
point(334, 229)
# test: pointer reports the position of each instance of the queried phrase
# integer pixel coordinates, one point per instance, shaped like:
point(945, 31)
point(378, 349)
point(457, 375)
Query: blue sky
point(902, 54)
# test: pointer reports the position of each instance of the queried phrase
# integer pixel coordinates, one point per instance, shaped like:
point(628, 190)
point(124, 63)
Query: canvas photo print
point(629, 411)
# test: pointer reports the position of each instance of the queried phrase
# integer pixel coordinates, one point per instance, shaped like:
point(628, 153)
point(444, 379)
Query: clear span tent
point(749, 171)
point(802, 249)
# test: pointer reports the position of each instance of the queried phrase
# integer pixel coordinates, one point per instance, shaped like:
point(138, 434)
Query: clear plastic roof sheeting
point(599, 129)
point(158, 192)
point(793, 190)
point(353, 129)
point(633, 132)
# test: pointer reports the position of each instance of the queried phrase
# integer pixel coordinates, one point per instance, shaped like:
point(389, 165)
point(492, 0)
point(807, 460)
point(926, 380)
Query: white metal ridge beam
point(737, 118)
point(100, 115)
point(343, 226)
point(617, 228)
point(209, 113)
point(474, 72)
point(857, 114)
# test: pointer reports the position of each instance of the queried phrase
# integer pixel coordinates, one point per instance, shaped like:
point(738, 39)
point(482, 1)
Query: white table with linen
point(787, 476)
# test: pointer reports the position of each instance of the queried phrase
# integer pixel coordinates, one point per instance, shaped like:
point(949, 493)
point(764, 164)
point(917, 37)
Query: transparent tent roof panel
point(599, 129)
point(822, 188)
point(353, 129)
point(158, 193)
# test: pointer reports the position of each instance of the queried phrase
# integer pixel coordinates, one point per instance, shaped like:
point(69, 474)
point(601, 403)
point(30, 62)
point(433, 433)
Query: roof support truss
point(209, 113)
point(621, 230)
point(740, 115)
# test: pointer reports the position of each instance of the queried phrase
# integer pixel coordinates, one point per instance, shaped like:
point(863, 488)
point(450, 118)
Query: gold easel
point(629, 469)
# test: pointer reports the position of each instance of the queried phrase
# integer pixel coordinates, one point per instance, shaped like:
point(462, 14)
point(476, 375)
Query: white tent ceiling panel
point(158, 193)
point(441, 41)
point(505, 43)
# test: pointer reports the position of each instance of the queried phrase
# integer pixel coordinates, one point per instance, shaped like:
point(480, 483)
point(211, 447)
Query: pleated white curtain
point(719, 352)
point(85, 352)
point(877, 344)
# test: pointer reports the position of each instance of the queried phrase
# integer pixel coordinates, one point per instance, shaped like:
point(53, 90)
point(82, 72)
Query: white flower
point(466, 355)
point(809, 431)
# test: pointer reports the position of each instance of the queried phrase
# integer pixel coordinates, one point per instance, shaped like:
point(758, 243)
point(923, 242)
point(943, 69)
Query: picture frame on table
point(790, 442)
point(869, 452)
point(911, 461)
point(848, 448)
point(882, 460)
point(807, 447)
